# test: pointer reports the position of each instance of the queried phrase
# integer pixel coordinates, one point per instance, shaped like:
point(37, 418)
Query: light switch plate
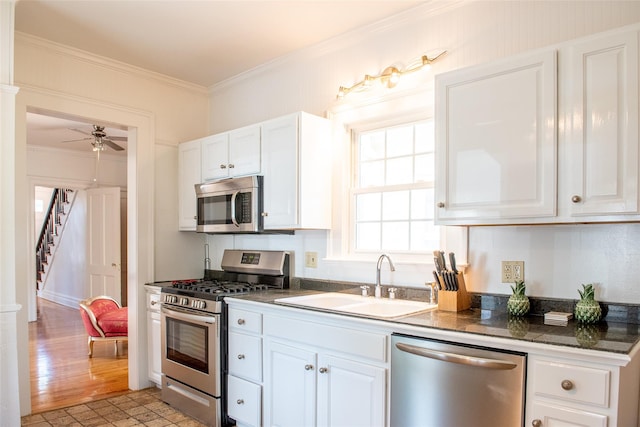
point(311, 259)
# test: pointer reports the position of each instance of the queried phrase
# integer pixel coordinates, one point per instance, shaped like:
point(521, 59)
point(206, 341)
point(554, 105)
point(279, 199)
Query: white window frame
point(354, 190)
point(410, 105)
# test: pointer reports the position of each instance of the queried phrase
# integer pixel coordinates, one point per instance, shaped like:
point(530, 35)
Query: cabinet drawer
point(552, 415)
point(369, 345)
point(245, 401)
point(245, 356)
point(153, 301)
point(243, 320)
point(575, 383)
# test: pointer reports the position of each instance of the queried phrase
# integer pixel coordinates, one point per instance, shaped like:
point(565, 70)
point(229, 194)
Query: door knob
point(308, 367)
point(441, 204)
point(576, 199)
point(240, 402)
point(567, 385)
point(536, 423)
point(241, 356)
point(323, 370)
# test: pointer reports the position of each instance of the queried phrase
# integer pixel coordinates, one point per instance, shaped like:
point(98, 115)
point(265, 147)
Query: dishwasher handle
point(461, 359)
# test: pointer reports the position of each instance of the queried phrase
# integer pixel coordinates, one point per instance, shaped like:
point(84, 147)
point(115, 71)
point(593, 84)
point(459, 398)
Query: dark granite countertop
point(607, 336)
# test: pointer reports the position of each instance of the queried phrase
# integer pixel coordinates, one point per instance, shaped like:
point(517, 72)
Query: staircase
point(52, 226)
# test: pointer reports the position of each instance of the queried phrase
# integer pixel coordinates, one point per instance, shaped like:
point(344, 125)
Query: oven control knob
point(184, 301)
point(199, 304)
point(171, 299)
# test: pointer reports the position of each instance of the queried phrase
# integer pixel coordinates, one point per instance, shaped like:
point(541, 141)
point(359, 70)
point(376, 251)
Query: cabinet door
point(290, 386)
point(154, 347)
point(244, 404)
point(280, 144)
point(559, 416)
point(215, 157)
point(603, 141)
point(496, 141)
point(350, 393)
point(188, 176)
point(244, 151)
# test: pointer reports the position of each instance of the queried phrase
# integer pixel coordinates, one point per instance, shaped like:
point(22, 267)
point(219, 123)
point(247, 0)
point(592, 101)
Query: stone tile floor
point(137, 408)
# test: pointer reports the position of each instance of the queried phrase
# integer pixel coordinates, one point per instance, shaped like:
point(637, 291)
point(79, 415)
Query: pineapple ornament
point(587, 310)
point(518, 303)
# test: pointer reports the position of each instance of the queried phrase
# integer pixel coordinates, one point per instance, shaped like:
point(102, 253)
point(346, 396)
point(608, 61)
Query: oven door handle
point(233, 209)
point(181, 315)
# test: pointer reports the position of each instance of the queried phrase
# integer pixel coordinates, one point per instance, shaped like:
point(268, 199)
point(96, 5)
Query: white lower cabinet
point(244, 381)
point(154, 348)
point(323, 375)
point(568, 392)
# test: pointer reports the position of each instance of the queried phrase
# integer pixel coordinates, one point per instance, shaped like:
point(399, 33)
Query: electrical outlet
point(311, 259)
point(512, 271)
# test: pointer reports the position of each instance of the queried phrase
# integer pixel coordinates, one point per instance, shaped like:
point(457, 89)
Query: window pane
point(395, 205)
point(395, 236)
point(400, 171)
point(425, 137)
point(372, 174)
point(400, 141)
point(420, 205)
point(424, 168)
point(368, 207)
point(372, 146)
point(368, 236)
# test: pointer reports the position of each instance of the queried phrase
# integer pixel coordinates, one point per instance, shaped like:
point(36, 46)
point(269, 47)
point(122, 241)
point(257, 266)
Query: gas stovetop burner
point(217, 287)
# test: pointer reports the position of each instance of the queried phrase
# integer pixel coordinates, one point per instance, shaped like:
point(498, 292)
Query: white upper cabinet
point(188, 176)
point(231, 154)
point(496, 140)
point(601, 153)
point(297, 172)
point(497, 157)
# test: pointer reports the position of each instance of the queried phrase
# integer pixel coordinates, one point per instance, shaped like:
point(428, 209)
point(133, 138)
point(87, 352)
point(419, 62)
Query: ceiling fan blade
point(118, 138)
point(78, 140)
point(81, 131)
point(112, 144)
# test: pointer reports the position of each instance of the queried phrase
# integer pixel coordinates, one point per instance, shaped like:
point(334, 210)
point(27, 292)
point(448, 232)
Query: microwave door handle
point(233, 209)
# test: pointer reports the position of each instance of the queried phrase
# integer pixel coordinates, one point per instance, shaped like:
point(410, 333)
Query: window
point(392, 192)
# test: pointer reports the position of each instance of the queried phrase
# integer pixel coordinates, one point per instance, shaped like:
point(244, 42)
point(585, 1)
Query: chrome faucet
point(378, 292)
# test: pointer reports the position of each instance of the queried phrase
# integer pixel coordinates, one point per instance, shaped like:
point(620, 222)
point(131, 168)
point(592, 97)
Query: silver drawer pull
point(240, 402)
point(308, 367)
point(241, 356)
point(567, 385)
point(240, 321)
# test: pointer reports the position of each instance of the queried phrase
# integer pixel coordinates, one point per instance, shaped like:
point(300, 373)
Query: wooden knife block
point(454, 300)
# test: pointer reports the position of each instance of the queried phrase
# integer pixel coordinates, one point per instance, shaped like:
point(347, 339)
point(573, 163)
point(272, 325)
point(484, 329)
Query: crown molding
point(107, 63)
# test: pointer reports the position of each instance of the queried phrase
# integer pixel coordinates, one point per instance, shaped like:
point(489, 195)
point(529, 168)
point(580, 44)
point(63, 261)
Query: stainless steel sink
point(356, 304)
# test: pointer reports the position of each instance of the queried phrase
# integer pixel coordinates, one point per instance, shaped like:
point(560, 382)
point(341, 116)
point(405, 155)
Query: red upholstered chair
point(104, 319)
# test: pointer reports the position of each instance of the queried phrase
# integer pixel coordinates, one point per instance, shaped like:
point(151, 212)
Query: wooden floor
point(62, 374)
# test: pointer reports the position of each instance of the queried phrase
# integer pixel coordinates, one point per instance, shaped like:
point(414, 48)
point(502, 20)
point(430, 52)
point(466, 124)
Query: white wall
point(66, 281)
point(557, 258)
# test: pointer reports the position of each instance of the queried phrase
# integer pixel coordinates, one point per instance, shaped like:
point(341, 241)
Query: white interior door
point(103, 251)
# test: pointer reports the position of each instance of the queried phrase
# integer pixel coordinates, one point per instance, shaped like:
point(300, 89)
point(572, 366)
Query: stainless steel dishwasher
point(442, 384)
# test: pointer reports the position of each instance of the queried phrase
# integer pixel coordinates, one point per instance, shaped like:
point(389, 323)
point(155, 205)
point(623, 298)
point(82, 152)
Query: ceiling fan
point(99, 139)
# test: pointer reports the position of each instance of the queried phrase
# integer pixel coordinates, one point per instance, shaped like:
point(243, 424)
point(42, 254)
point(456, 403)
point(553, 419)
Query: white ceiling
point(198, 41)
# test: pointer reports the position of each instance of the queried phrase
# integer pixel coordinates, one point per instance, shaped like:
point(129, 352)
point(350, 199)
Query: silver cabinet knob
point(240, 402)
point(323, 370)
point(241, 356)
point(567, 385)
point(265, 213)
point(223, 166)
point(576, 199)
point(308, 367)
point(240, 321)
point(441, 204)
point(231, 166)
point(536, 423)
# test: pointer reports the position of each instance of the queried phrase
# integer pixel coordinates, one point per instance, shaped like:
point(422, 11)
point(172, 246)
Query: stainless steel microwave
point(231, 205)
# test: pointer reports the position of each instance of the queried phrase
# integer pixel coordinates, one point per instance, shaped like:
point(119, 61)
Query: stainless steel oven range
point(194, 330)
